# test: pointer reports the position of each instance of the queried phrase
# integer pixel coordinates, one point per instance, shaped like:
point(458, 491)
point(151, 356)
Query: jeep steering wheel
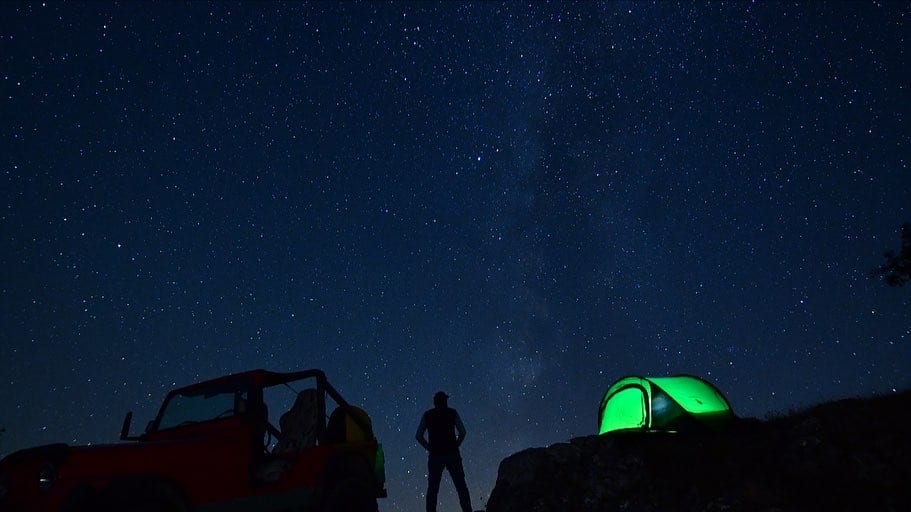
point(271, 433)
point(270, 428)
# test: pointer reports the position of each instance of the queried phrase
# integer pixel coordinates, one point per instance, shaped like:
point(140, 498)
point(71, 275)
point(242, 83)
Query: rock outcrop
point(850, 455)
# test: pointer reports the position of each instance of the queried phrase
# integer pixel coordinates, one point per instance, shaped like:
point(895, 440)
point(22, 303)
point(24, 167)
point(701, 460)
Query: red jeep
point(213, 447)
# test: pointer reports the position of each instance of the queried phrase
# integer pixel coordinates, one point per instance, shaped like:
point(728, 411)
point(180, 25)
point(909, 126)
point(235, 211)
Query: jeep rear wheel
point(349, 495)
point(149, 506)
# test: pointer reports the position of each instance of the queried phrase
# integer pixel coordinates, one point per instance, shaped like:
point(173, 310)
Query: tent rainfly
point(663, 404)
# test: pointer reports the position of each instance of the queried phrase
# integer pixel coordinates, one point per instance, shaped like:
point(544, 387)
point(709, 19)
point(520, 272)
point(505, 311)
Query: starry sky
point(515, 203)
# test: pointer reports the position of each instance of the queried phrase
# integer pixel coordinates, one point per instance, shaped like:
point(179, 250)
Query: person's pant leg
point(457, 472)
point(435, 465)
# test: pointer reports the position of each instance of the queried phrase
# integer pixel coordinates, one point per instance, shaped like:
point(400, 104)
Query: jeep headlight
point(46, 477)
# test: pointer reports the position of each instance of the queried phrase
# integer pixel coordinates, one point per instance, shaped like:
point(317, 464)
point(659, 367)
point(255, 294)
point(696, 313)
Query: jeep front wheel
point(133, 498)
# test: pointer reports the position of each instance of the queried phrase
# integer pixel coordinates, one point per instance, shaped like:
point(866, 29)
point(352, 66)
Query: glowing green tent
point(662, 403)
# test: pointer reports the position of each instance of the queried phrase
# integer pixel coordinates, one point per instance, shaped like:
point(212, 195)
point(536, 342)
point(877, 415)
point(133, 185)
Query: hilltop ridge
point(846, 455)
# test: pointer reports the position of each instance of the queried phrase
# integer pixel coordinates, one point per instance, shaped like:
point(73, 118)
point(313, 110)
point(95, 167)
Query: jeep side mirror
point(125, 429)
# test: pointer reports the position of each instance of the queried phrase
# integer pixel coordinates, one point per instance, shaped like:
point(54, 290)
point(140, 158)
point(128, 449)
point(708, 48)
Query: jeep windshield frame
point(190, 408)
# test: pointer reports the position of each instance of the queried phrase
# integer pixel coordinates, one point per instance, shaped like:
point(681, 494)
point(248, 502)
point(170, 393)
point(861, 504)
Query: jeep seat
point(299, 424)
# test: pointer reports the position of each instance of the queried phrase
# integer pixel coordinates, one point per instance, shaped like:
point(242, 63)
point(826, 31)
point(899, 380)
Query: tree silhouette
point(896, 271)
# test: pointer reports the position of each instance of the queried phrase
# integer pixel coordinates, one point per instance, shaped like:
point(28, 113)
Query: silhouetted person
point(445, 432)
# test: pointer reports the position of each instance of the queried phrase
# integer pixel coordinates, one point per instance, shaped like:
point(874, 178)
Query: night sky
point(517, 204)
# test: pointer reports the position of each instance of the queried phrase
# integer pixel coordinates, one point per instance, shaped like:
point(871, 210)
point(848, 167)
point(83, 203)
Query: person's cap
point(440, 396)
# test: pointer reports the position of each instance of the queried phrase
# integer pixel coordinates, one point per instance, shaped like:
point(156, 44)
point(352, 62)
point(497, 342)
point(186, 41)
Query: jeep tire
point(140, 498)
point(351, 494)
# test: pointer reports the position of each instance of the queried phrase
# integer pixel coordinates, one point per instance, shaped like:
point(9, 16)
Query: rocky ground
point(849, 455)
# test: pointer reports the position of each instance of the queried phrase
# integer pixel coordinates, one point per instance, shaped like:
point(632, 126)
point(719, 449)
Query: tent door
point(624, 410)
